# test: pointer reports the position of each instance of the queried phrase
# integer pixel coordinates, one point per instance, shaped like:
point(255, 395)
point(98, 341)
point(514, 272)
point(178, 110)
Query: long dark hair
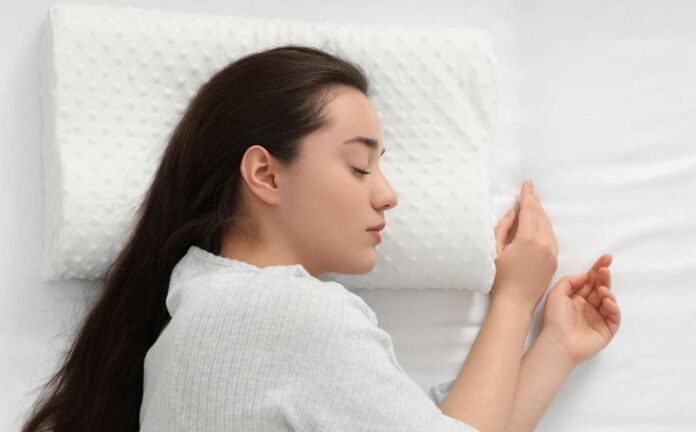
point(272, 98)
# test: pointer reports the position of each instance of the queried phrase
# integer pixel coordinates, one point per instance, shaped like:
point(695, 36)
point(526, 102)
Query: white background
point(597, 105)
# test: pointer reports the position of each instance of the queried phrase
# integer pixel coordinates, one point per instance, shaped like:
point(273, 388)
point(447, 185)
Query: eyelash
point(361, 172)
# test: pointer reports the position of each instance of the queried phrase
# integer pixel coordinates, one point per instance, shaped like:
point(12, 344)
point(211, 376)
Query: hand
point(581, 313)
point(526, 265)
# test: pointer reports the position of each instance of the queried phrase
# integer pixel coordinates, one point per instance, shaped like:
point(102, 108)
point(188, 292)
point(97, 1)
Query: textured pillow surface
point(115, 81)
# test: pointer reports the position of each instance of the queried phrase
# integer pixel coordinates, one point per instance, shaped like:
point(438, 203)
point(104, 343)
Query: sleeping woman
point(213, 316)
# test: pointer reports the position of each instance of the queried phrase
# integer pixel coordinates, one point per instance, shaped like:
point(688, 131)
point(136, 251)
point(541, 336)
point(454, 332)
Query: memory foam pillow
point(116, 80)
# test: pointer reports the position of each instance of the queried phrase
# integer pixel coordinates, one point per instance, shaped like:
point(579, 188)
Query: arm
point(544, 368)
point(483, 392)
point(337, 369)
point(580, 318)
point(482, 395)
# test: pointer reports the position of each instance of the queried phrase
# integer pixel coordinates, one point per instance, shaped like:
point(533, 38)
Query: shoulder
point(331, 299)
point(274, 300)
point(309, 307)
point(315, 322)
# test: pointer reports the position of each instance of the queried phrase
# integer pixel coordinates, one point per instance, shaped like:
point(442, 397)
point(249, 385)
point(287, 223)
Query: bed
point(597, 107)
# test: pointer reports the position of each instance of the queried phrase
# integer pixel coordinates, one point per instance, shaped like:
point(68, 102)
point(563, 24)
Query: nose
point(385, 196)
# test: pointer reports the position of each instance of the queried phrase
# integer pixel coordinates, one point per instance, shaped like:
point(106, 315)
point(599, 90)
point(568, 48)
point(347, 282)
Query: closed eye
point(361, 172)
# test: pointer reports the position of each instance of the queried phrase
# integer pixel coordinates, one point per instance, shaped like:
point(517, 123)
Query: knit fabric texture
point(275, 349)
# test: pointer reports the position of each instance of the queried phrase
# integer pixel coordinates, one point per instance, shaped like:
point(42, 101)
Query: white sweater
point(275, 349)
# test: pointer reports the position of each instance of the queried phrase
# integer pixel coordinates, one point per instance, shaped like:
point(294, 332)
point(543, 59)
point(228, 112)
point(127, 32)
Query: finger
point(568, 284)
point(502, 230)
point(538, 201)
point(603, 260)
point(594, 298)
point(604, 311)
point(543, 217)
point(613, 308)
point(547, 227)
point(577, 281)
point(605, 295)
point(586, 289)
point(601, 280)
point(605, 292)
point(533, 197)
point(597, 296)
point(603, 277)
point(606, 279)
point(529, 210)
point(539, 221)
point(613, 318)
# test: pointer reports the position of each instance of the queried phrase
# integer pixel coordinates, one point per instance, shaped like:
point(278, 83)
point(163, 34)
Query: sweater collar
point(200, 253)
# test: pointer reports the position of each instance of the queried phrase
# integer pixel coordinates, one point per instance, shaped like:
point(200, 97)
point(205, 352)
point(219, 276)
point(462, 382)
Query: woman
point(212, 317)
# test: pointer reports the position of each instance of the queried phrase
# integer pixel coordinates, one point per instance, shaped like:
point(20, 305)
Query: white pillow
point(116, 79)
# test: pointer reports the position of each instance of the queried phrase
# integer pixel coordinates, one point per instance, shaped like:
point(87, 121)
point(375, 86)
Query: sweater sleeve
point(348, 378)
point(441, 390)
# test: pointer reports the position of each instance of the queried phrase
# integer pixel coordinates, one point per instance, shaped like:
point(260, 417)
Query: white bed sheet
point(597, 106)
point(605, 128)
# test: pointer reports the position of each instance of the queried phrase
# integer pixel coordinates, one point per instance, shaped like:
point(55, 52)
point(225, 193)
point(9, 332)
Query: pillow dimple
point(112, 96)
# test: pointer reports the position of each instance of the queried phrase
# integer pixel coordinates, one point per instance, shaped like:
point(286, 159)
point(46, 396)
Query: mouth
point(375, 235)
point(379, 227)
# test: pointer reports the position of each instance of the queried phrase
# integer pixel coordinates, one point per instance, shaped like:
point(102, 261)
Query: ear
point(261, 173)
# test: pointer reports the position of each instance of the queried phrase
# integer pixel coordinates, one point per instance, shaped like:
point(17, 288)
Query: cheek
point(338, 188)
point(331, 196)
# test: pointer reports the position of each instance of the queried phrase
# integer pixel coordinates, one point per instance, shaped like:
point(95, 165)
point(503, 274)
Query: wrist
point(513, 305)
point(552, 344)
point(513, 308)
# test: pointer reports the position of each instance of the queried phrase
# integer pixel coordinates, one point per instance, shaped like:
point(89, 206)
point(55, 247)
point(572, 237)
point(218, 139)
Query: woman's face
point(328, 205)
point(316, 211)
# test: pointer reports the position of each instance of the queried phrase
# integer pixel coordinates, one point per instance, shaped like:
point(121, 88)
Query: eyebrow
point(369, 142)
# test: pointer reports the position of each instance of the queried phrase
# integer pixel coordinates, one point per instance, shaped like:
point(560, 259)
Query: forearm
point(544, 368)
point(483, 392)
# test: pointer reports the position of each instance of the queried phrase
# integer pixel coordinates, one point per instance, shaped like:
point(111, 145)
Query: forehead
point(350, 114)
point(368, 142)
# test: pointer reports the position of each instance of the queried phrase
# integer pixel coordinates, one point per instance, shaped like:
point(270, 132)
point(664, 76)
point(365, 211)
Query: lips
point(379, 227)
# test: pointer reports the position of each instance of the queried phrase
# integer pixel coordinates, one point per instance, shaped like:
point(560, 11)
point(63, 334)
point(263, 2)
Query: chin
point(364, 264)
point(356, 263)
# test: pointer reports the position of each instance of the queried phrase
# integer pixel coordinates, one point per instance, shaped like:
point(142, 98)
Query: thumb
point(568, 284)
